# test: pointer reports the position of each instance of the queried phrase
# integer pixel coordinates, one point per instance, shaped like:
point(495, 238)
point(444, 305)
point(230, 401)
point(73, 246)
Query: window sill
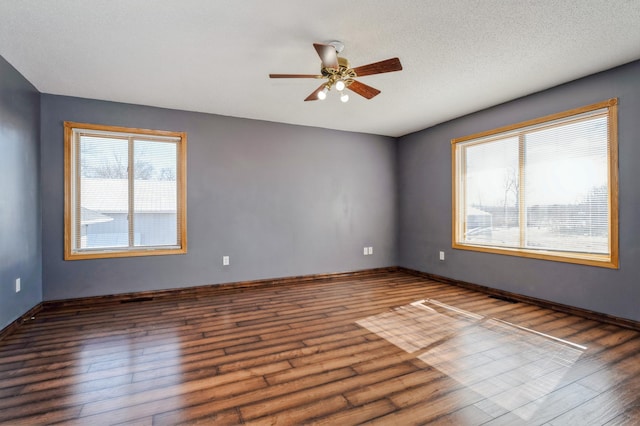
point(602, 261)
point(102, 254)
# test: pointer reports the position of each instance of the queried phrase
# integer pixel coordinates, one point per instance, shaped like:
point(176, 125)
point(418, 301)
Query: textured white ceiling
point(459, 56)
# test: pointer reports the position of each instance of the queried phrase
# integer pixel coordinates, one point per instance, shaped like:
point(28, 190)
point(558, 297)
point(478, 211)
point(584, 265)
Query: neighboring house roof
point(89, 217)
point(472, 211)
point(111, 195)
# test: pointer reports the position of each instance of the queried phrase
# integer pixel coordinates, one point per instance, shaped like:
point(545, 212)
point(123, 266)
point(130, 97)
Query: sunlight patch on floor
point(513, 367)
point(419, 325)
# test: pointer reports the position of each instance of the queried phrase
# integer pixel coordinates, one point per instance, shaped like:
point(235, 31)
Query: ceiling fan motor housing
point(344, 73)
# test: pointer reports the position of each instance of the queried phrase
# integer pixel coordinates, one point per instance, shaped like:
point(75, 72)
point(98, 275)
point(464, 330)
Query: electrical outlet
point(441, 255)
point(225, 260)
point(370, 250)
point(18, 285)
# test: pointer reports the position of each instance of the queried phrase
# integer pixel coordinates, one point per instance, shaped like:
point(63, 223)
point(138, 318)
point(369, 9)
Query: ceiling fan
point(338, 73)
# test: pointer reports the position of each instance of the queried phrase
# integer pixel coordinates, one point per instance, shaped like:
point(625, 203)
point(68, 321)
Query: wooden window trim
point(606, 261)
point(69, 196)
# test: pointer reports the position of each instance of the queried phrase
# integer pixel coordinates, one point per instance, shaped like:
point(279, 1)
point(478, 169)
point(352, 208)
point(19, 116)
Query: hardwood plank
point(323, 390)
point(539, 411)
point(605, 407)
point(356, 415)
point(302, 413)
point(51, 416)
point(204, 409)
point(229, 417)
point(147, 405)
point(295, 353)
point(469, 415)
point(380, 390)
point(615, 369)
point(429, 409)
point(629, 417)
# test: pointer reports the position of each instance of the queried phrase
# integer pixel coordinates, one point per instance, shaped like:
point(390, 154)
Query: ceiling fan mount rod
point(338, 45)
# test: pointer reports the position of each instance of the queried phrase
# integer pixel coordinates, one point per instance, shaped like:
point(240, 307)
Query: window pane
point(491, 183)
point(121, 192)
point(546, 188)
point(104, 192)
point(155, 193)
point(566, 187)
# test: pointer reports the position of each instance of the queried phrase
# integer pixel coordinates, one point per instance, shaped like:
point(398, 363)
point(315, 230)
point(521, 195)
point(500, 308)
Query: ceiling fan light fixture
point(337, 72)
point(322, 95)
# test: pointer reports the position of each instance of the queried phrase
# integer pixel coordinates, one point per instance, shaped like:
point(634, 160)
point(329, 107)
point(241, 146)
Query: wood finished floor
point(294, 354)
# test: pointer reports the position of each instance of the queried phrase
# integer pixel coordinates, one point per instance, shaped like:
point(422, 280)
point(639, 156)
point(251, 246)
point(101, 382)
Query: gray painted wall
point(424, 182)
point(281, 200)
point(20, 236)
point(286, 200)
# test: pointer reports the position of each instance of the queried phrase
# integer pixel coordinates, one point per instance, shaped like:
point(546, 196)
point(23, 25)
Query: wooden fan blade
point(327, 54)
point(387, 65)
point(363, 90)
point(314, 96)
point(295, 76)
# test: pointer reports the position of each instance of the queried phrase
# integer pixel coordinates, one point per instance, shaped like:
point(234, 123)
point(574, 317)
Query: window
point(125, 192)
point(545, 189)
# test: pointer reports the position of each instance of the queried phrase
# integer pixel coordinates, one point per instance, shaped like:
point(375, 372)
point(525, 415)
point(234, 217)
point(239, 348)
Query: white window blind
point(544, 188)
